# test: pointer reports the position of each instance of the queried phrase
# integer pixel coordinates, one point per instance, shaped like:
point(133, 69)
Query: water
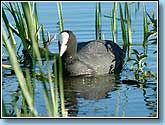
point(102, 96)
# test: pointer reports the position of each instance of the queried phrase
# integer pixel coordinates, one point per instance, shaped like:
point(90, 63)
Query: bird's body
point(96, 57)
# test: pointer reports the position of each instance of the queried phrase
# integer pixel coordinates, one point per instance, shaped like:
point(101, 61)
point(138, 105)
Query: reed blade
point(35, 14)
point(98, 22)
point(31, 30)
point(19, 74)
point(128, 25)
point(61, 88)
point(145, 25)
point(56, 86)
point(51, 84)
point(60, 15)
point(20, 25)
point(114, 22)
point(123, 28)
point(32, 35)
point(11, 35)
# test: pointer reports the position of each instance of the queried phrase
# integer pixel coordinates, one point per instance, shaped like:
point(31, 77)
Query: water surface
point(102, 96)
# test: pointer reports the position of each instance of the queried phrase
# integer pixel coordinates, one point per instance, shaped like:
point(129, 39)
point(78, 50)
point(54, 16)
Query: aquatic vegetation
point(149, 35)
point(129, 36)
point(114, 22)
point(60, 15)
point(152, 34)
point(123, 27)
point(31, 53)
point(19, 74)
point(125, 20)
point(25, 25)
point(98, 22)
point(139, 62)
point(138, 67)
point(27, 29)
point(145, 23)
point(11, 35)
point(60, 76)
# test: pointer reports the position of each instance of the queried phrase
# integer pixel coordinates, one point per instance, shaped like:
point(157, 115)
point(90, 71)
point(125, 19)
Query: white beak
point(64, 39)
point(63, 49)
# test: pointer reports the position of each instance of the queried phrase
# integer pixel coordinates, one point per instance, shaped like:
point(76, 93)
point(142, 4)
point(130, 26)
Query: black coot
point(96, 57)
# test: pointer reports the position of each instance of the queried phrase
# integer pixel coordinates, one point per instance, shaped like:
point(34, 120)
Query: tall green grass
point(28, 30)
point(60, 76)
point(145, 23)
point(146, 32)
point(11, 35)
point(30, 21)
point(61, 88)
point(26, 19)
point(98, 22)
point(56, 86)
point(19, 74)
point(125, 21)
point(14, 9)
point(124, 31)
point(129, 30)
point(123, 27)
point(60, 15)
point(32, 30)
point(114, 22)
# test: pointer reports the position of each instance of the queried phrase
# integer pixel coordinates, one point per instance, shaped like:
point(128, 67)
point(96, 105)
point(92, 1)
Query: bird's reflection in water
point(88, 88)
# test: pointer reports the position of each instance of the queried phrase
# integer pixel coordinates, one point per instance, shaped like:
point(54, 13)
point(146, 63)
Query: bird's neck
point(71, 54)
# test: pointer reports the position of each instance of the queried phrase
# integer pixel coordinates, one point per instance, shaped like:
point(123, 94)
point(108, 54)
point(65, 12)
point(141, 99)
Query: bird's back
point(102, 56)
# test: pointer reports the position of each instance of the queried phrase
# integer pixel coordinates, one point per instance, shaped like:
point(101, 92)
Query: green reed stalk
point(31, 29)
point(123, 28)
point(19, 74)
point(24, 105)
point(51, 84)
point(24, 108)
point(61, 19)
point(19, 20)
point(129, 52)
point(145, 22)
point(29, 83)
point(36, 23)
point(128, 25)
point(43, 35)
point(32, 35)
point(56, 86)
point(98, 23)
point(114, 22)
point(45, 89)
point(61, 87)
point(11, 35)
point(60, 15)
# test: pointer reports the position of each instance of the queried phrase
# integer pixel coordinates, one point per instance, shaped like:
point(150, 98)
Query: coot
point(95, 57)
